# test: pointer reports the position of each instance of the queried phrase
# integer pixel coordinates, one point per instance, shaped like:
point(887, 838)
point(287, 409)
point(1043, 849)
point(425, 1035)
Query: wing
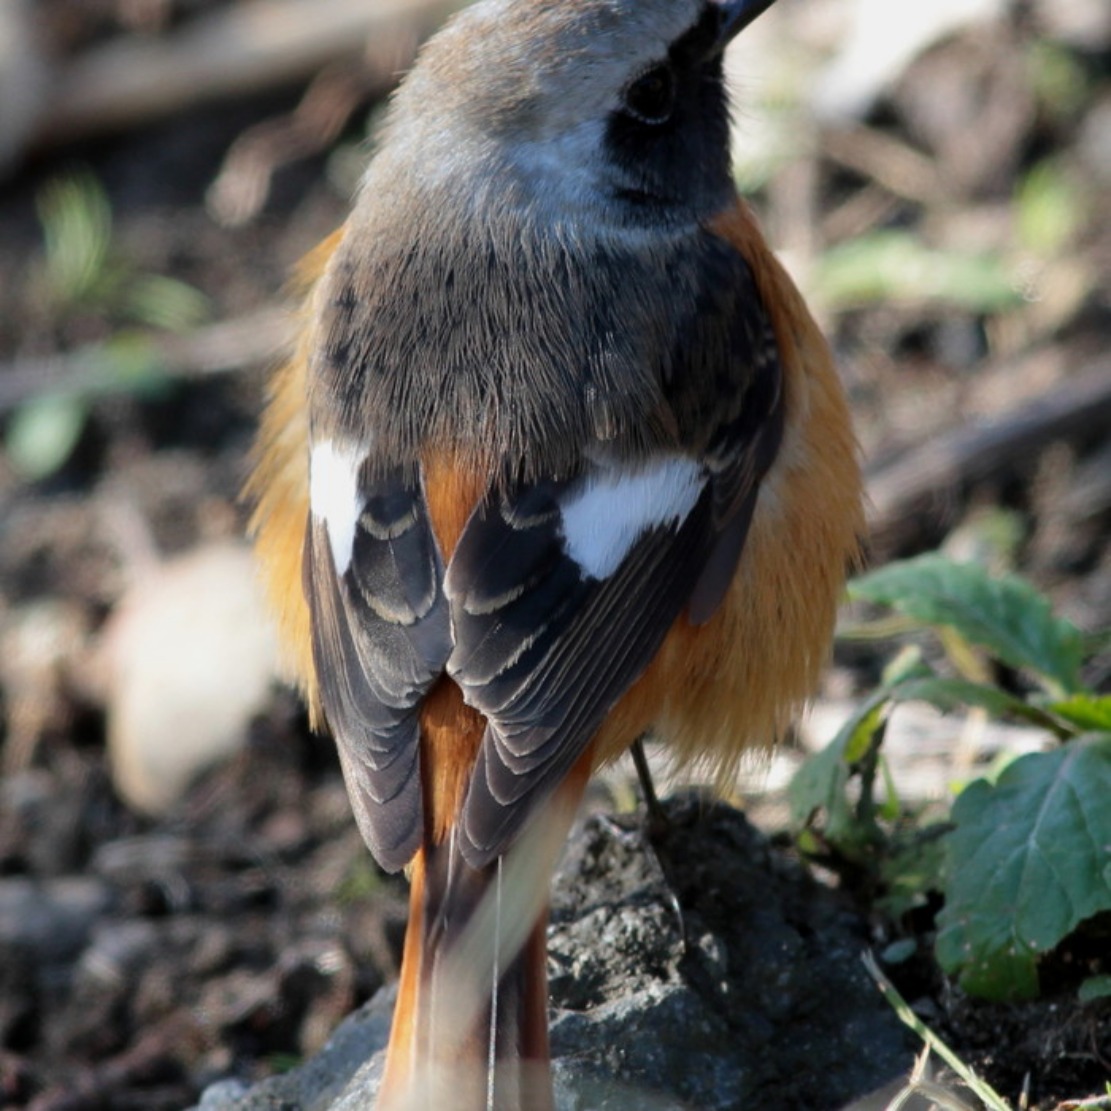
point(380, 635)
point(561, 593)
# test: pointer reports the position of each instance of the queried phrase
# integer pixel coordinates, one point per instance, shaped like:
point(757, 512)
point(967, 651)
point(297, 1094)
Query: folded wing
point(561, 593)
point(373, 578)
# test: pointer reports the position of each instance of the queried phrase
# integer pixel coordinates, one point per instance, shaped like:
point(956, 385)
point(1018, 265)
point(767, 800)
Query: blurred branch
point(899, 491)
point(888, 161)
point(241, 49)
point(252, 340)
point(241, 189)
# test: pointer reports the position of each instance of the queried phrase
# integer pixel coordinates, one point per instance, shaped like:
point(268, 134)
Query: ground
point(954, 232)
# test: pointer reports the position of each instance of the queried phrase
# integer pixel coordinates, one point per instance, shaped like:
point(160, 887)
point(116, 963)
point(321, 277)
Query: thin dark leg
point(658, 822)
point(656, 828)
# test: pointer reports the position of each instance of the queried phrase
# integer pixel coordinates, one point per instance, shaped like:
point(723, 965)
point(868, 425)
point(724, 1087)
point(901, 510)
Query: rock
point(343, 1076)
point(750, 992)
point(41, 642)
point(710, 973)
point(190, 659)
point(53, 919)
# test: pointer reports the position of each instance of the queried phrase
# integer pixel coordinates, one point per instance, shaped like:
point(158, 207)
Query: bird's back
point(561, 457)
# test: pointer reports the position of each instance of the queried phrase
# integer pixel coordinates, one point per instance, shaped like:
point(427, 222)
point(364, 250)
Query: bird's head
point(613, 107)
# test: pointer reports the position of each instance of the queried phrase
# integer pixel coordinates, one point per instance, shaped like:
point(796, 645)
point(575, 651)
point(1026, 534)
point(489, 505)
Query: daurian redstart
point(560, 458)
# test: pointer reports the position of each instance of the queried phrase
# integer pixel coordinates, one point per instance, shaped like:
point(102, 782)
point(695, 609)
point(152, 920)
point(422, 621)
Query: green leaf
point(43, 433)
point(1029, 860)
point(899, 951)
point(1085, 711)
point(1057, 77)
point(128, 363)
point(820, 784)
point(914, 869)
point(167, 303)
point(1005, 615)
point(1095, 987)
point(77, 231)
point(1048, 209)
point(891, 807)
point(951, 694)
point(280, 1063)
point(891, 266)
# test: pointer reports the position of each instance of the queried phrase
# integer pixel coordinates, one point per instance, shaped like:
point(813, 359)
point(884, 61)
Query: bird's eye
point(651, 97)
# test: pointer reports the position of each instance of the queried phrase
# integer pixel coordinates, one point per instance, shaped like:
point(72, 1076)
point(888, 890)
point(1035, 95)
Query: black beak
point(736, 15)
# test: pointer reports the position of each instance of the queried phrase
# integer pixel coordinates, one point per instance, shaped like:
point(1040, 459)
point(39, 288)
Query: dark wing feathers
point(544, 650)
point(738, 457)
point(540, 643)
point(380, 640)
point(547, 667)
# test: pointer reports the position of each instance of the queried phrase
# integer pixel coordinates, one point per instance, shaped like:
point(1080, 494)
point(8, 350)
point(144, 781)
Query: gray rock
point(708, 972)
point(343, 1076)
point(189, 657)
point(750, 995)
point(54, 918)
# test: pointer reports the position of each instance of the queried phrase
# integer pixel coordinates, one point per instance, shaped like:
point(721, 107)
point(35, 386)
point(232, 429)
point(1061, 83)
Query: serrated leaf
point(1005, 615)
point(1085, 711)
point(1029, 860)
point(43, 433)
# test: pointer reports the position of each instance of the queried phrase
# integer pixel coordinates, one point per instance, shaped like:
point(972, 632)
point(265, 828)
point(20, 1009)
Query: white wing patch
point(334, 495)
point(604, 518)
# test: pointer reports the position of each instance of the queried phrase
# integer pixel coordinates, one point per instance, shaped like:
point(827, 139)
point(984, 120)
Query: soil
point(142, 959)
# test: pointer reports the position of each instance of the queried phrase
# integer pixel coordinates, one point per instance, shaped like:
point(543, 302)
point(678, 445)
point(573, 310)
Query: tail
point(470, 1029)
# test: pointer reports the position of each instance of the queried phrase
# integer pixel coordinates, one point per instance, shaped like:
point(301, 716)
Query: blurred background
point(182, 890)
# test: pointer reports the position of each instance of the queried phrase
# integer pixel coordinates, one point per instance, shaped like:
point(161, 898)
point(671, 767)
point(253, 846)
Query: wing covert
point(561, 593)
point(373, 579)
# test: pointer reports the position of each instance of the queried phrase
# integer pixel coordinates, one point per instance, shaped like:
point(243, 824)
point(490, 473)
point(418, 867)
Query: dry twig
point(236, 50)
point(252, 340)
point(900, 490)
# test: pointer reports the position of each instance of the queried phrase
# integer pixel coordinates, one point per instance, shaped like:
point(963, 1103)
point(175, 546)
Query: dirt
point(142, 959)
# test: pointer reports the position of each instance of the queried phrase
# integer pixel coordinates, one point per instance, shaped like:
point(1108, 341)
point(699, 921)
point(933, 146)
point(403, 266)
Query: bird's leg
point(656, 827)
point(658, 822)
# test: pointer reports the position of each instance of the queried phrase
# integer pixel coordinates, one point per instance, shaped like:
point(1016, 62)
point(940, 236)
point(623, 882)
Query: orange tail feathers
point(470, 1029)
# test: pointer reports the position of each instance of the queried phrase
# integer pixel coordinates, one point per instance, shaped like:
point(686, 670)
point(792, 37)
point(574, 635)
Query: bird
point(559, 458)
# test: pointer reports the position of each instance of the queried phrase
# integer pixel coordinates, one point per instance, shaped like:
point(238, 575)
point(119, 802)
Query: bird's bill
point(737, 15)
